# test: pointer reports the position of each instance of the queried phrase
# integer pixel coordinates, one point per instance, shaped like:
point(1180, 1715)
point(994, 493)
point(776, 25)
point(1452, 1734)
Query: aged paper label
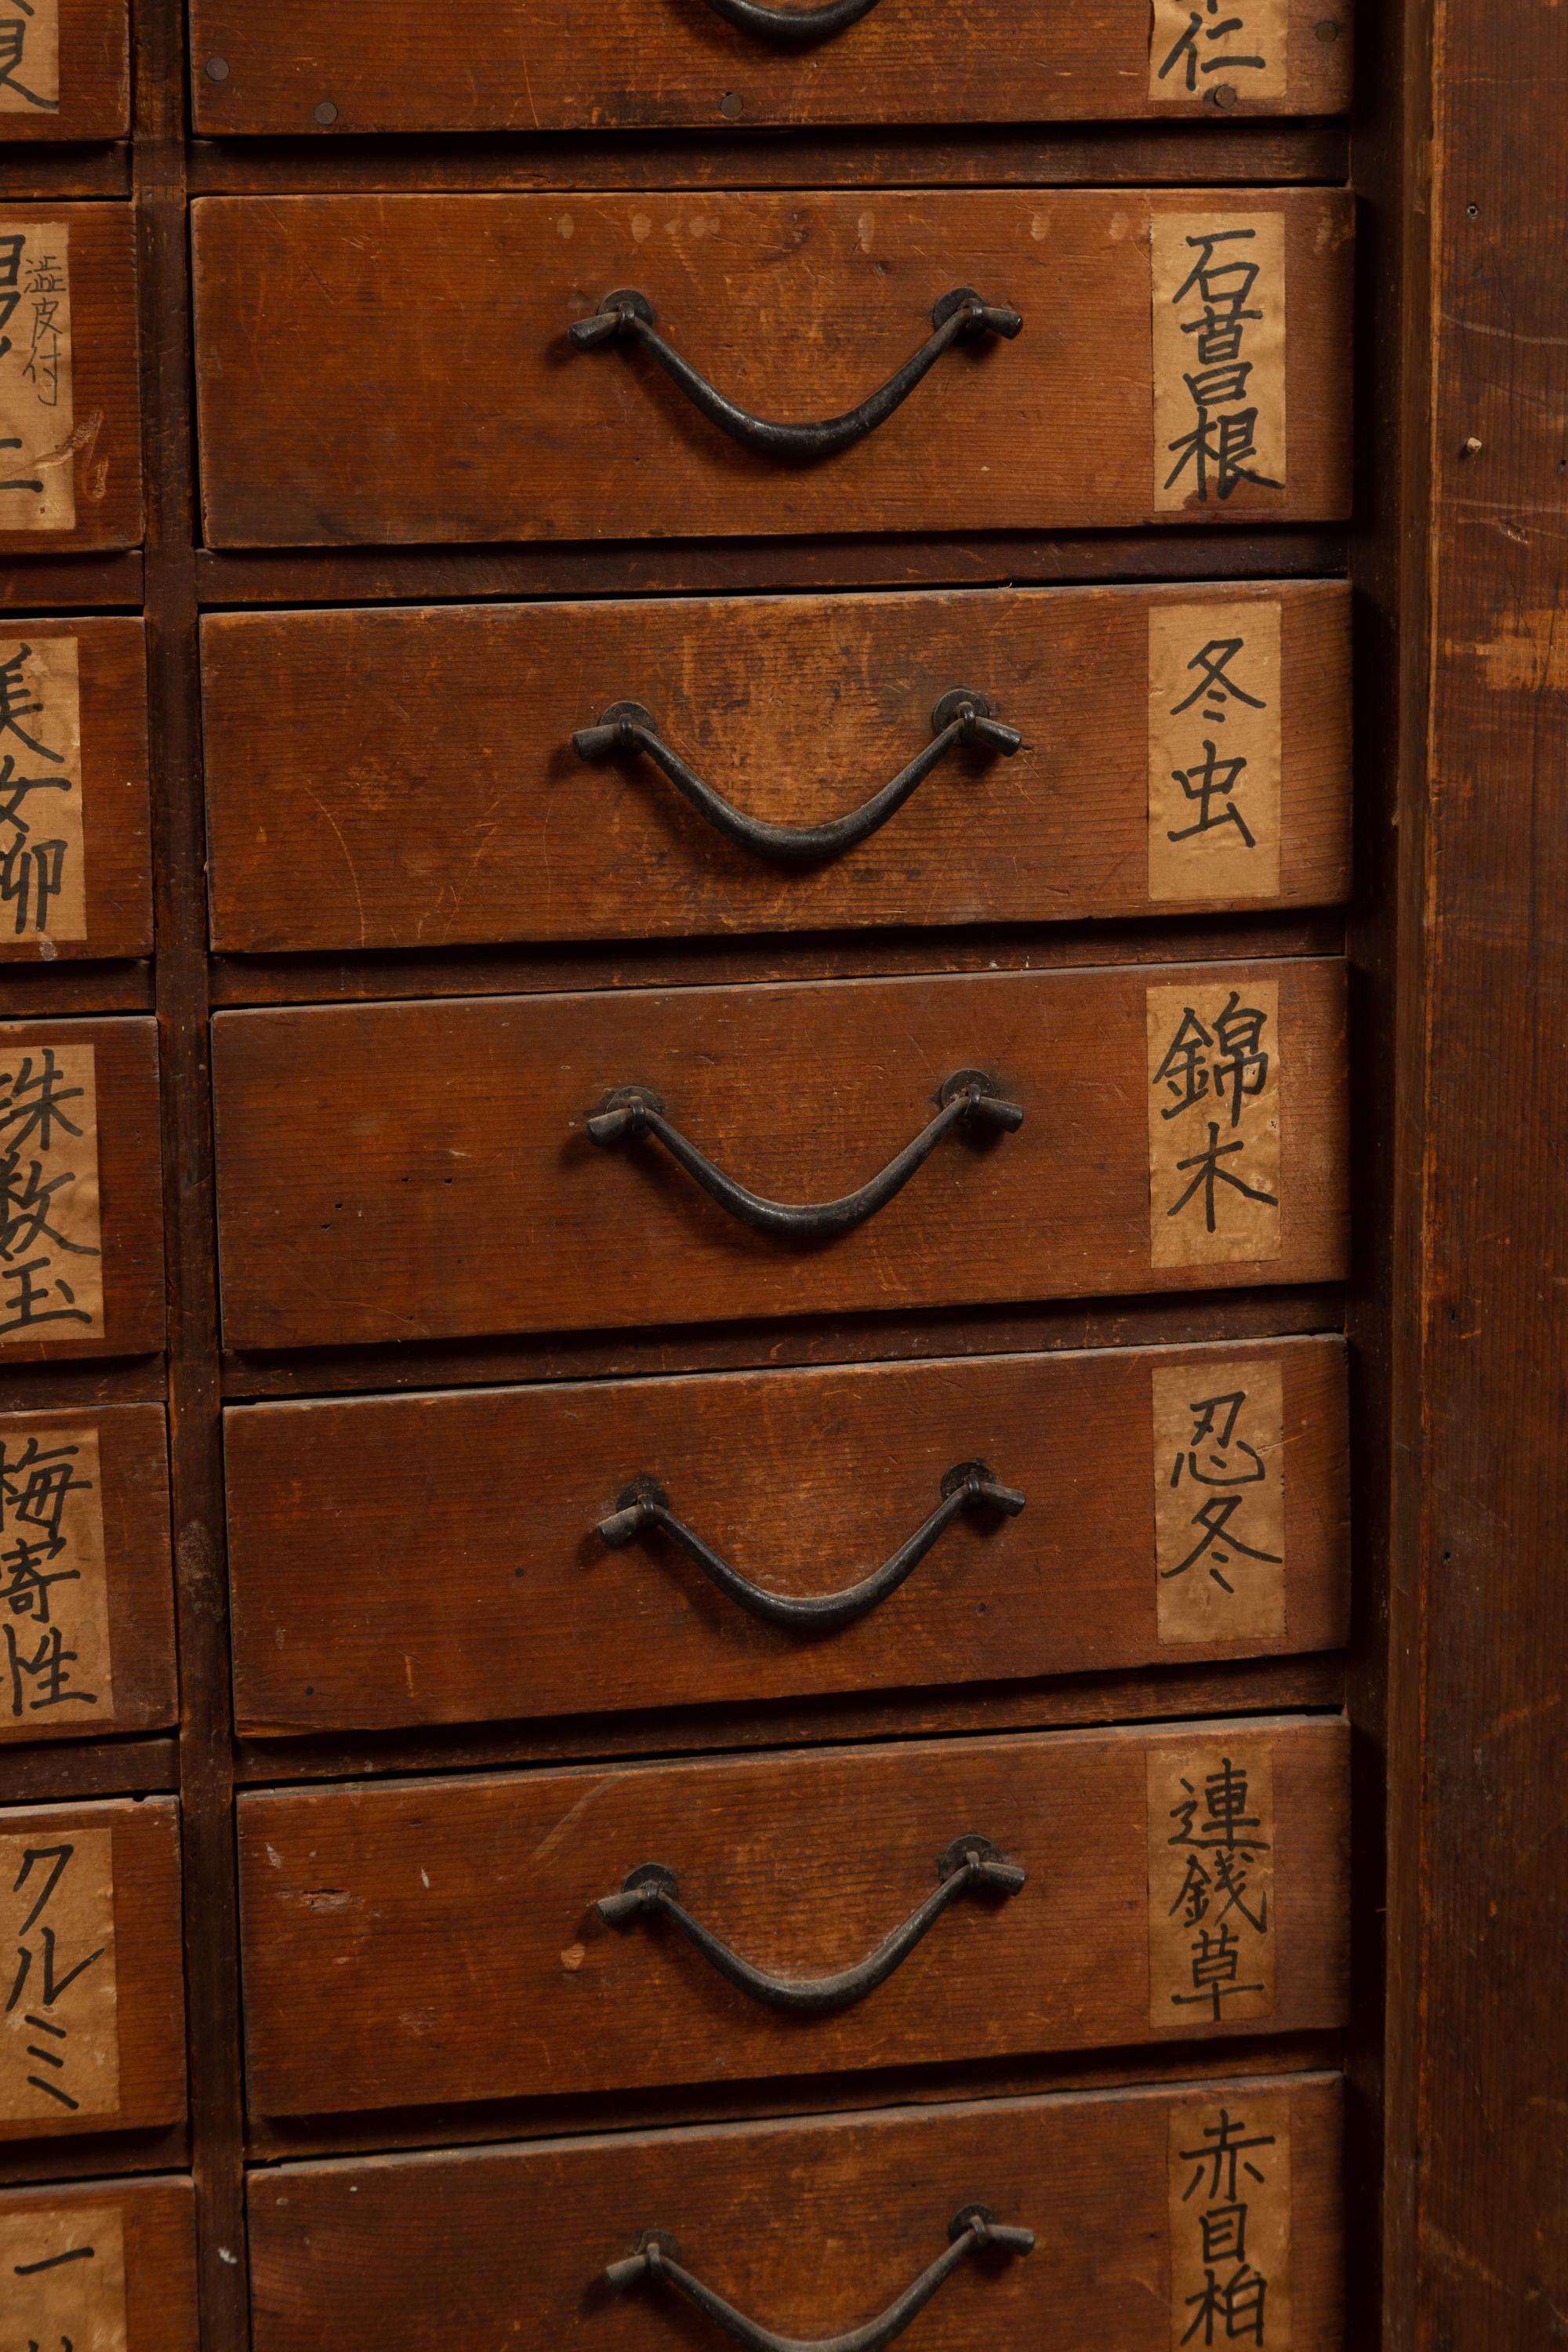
point(54, 1585)
point(43, 869)
point(1213, 751)
point(37, 430)
point(30, 63)
point(62, 2280)
point(1230, 2221)
point(59, 2033)
point(1219, 1502)
point(1211, 1885)
point(1214, 1123)
point(1218, 290)
point(52, 1266)
point(1198, 45)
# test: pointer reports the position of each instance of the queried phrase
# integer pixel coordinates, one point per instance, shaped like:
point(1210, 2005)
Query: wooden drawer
point(323, 831)
point(344, 1516)
point(92, 2037)
point(425, 1170)
point(75, 876)
point(64, 70)
point(81, 1211)
point(316, 430)
point(108, 2267)
point(450, 1933)
point(87, 1604)
point(71, 434)
point(813, 2226)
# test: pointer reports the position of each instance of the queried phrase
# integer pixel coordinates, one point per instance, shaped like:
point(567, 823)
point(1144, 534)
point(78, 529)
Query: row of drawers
point(1132, 359)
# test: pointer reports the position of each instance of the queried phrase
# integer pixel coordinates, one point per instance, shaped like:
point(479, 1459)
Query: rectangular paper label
point(54, 1585)
point(59, 2035)
point(52, 1267)
point(38, 431)
point(1230, 2222)
point(43, 870)
point(62, 2280)
point(1219, 1502)
point(29, 62)
point(1197, 47)
point(1218, 288)
point(1213, 751)
point(1214, 1123)
point(1211, 1885)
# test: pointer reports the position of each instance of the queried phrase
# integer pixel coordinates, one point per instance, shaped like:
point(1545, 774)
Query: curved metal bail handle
point(629, 316)
point(658, 2260)
point(969, 1865)
point(967, 1486)
point(961, 717)
point(968, 1096)
point(796, 28)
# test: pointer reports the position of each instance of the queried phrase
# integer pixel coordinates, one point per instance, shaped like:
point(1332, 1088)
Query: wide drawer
point(428, 1170)
point(1180, 749)
point(1182, 1883)
point(107, 2267)
point(1145, 2207)
point(71, 434)
point(1176, 1502)
point(64, 70)
point(316, 430)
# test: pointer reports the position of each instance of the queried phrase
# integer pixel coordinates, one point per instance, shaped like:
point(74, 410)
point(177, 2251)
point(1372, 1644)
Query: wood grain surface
point(157, 2224)
point(105, 370)
point(94, 86)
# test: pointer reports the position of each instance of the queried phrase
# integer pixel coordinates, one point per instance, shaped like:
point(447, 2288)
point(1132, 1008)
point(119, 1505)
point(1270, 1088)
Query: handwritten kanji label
point(1199, 46)
point(62, 2280)
point(38, 431)
point(52, 1266)
point(1218, 290)
point(59, 2037)
point(1214, 1123)
point(1211, 1885)
point(1230, 2222)
point(1213, 751)
point(43, 871)
point(1219, 1502)
point(54, 1588)
point(29, 61)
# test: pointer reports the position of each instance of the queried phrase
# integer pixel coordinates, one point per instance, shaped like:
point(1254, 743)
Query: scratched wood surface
point(447, 1928)
point(315, 431)
point(106, 455)
point(321, 728)
point(94, 79)
point(157, 2223)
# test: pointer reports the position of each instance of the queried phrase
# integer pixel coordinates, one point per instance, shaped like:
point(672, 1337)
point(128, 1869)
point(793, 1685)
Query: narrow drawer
point(812, 2227)
point(1121, 1510)
point(64, 70)
point(315, 429)
point(108, 2267)
point(70, 434)
point(87, 1604)
point(451, 1931)
point(1180, 749)
point(81, 1215)
point(75, 869)
point(92, 2037)
point(428, 1171)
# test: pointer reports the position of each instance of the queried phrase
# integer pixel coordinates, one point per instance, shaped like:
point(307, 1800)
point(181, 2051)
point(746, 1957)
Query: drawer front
point(798, 714)
point(316, 430)
point(450, 1933)
point(87, 1602)
point(70, 434)
point(93, 2038)
point(75, 871)
point(81, 1219)
point(64, 70)
point(1213, 1481)
point(110, 2267)
point(812, 2227)
point(477, 1200)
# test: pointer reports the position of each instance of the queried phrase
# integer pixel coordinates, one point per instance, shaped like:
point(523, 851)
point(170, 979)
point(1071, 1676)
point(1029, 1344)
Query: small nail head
point(732, 104)
point(1327, 28)
point(1472, 447)
point(1223, 95)
point(217, 69)
point(326, 113)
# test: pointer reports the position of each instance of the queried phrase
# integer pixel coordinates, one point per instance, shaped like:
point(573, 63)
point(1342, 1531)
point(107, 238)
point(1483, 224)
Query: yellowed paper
point(55, 1673)
point(62, 2279)
point(1219, 1502)
point(52, 1266)
point(29, 56)
point(43, 868)
point(1211, 1885)
point(1230, 2221)
point(1214, 753)
point(59, 2033)
point(1214, 1123)
point(1197, 47)
point(37, 451)
point(1218, 281)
